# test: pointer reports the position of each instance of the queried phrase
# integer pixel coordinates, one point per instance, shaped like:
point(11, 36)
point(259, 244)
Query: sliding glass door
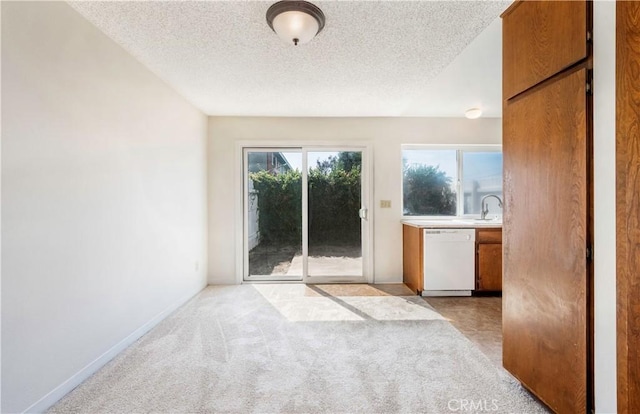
point(334, 202)
point(273, 214)
point(305, 214)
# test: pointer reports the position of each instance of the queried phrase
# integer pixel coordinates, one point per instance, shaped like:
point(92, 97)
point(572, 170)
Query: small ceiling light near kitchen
point(473, 113)
point(295, 22)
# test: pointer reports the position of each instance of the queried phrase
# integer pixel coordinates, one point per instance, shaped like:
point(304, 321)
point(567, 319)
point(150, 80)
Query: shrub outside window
point(450, 182)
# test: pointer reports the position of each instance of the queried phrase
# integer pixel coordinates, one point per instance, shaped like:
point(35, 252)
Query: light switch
point(385, 203)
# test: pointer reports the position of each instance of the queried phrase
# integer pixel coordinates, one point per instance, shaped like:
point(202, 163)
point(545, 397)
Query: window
point(451, 181)
point(430, 180)
point(482, 176)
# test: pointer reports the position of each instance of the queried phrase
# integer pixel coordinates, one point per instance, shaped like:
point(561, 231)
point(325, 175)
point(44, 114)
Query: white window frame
point(458, 185)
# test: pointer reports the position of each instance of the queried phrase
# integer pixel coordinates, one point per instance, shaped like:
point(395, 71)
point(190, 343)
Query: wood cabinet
point(541, 40)
point(412, 258)
point(628, 205)
point(489, 260)
point(547, 223)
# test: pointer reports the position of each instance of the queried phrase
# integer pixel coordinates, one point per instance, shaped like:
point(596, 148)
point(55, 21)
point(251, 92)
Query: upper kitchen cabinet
point(540, 41)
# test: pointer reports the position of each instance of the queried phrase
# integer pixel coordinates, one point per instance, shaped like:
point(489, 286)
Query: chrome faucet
point(485, 208)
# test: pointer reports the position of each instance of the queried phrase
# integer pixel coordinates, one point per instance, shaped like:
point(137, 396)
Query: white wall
point(104, 200)
point(604, 61)
point(386, 136)
point(0, 219)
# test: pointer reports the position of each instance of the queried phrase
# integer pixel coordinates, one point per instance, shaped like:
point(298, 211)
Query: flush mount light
point(473, 113)
point(295, 22)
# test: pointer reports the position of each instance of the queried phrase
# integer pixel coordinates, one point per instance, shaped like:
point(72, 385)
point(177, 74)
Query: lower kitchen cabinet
point(412, 258)
point(489, 260)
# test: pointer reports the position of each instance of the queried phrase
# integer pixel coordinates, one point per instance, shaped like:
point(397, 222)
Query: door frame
point(367, 201)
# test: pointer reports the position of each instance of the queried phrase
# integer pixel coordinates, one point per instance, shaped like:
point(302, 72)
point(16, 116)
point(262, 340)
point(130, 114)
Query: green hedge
point(279, 206)
point(334, 205)
point(334, 202)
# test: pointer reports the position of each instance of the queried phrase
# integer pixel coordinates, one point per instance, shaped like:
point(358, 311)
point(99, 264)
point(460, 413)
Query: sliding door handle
point(363, 213)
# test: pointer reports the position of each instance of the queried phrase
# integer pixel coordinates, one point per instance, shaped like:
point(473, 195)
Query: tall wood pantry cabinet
point(547, 224)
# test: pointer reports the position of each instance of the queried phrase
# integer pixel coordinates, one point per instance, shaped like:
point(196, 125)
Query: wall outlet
point(196, 266)
point(385, 203)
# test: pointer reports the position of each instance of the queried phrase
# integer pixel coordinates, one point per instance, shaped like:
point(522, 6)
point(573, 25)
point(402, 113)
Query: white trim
point(272, 279)
point(368, 202)
point(368, 197)
point(245, 213)
point(79, 377)
point(604, 205)
point(459, 191)
point(238, 172)
point(305, 215)
point(464, 147)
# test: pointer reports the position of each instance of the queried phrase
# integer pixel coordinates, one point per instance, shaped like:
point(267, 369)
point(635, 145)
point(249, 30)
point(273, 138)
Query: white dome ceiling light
point(473, 113)
point(295, 22)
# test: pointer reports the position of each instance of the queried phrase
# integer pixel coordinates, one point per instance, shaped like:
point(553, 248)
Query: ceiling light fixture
point(295, 21)
point(473, 113)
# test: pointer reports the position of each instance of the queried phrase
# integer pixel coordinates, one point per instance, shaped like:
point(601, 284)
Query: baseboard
point(78, 378)
point(222, 281)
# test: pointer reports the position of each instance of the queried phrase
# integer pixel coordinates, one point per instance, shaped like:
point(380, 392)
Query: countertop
point(454, 223)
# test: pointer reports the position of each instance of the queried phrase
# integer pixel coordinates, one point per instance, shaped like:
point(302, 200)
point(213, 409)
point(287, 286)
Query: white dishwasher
point(449, 262)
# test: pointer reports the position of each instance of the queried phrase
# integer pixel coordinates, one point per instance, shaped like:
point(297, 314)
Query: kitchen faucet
point(485, 208)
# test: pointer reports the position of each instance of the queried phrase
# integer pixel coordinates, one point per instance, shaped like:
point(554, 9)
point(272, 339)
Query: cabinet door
point(545, 225)
point(412, 258)
point(490, 267)
point(541, 38)
point(628, 205)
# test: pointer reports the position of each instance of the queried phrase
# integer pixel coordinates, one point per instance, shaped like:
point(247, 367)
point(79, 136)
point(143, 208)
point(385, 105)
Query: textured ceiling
point(371, 59)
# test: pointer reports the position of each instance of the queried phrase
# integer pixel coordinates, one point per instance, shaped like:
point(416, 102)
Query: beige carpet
point(297, 349)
